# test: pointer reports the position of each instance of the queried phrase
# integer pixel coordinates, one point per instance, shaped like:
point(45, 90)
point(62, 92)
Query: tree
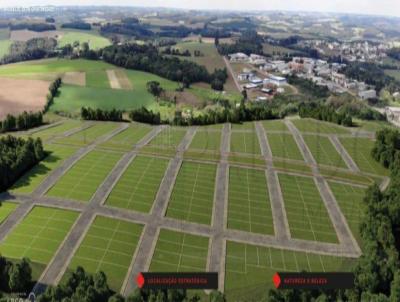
point(154, 88)
point(20, 276)
point(217, 296)
point(116, 298)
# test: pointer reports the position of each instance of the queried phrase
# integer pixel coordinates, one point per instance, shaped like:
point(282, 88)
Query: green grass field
point(34, 177)
point(285, 165)
point(283, 145)
point(170, 137)
point(244, 126)
point(250, 268)
point(5, 47)
point(179, 252)
point(83, 179)
point(97, 79)
point(192, 198)
point(6, 208)
point(57, 130)
point(350, 200)
point(39, 234)
point(324, 151)
point(108, 246)
point(88, 135)
point(249, 207)
point(245, 142)
point(95, 40)
point(360, 150)
point(314, 126)
point(126, 139)
point(246, 160)
point(138, 186)
point(274, 125)
point(307, 216)
point(347, 176)
point(206, 141)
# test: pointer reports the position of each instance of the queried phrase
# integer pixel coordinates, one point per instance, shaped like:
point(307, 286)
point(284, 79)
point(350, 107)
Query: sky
point(373, 7)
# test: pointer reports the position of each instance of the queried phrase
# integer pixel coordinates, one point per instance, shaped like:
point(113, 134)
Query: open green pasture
point(5, 47)
point(324, 151)
point(34, 177)
point(6, 208)
point(179, 252)
point(97, 79)
point(138, 186)
point(314, 126)
point(192, 198)
point(57, 129)
point(83, 179)
point(94, 40)
point(274, 125)
point(88, 135)
point(250, 268)
point(108, 246)
point(245, 142)
point(206, 140)
point(249, 207)
point(39, 234)
point(350, 200)
point(283, 145)
point(126, 139)
point(360, 151)
point(307, 216)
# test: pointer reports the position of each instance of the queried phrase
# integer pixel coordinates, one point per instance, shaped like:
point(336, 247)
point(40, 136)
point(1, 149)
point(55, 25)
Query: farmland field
point(126, 139)
point(249, 207)
point(108, 246)
point(6, 208)
point(245, 142)
point(39, 234)
point(179, 252)
point(313, 126)
point(206, 140)
point(97, 79)
point(83, 179)
point(138, 186)
point(192, 198)
point(283, 145)
point(274, 125)
point(307, 216)
point(95, 41)
point(57, 130)
point(323, 151)
point(4, 47)
point(168, 138)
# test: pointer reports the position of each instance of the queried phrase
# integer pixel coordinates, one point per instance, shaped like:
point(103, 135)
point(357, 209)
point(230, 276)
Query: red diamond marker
point(140, 280)
point(277, 280)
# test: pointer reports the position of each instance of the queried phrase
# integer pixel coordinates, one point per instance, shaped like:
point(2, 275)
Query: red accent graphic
point(277, 280)
point(140, 280)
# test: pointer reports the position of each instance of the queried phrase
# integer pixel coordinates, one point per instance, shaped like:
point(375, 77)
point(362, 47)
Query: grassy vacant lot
point(283, 145)
point(88, 135)
point(360, 150)
point(276, 50)
point(108, 246)
point(206, 140)
point(179, 252)
point(307, 216)
point(57, 129)
point(95, 40)
point(274, 125)
point(126, 139)
point(314, 126)
point(192, 198)
point(245, 142)
point(249, 208)
point(323, 151)
point(249, 268)
point(350, 200)
point(83, 179)
point(32, 179)
point(6, 208)
point(138, 186)
point(39, 234)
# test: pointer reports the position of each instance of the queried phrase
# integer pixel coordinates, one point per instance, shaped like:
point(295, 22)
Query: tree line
point(309, 87)
point(15, 276)
point(324, 113)
point(248, 43)
point(16, 157)
point(23, 121)
point(39, 27)
point(77, 25)
point(53, 92)
point(98, 114)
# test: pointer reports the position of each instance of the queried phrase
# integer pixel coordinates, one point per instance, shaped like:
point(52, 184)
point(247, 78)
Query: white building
point(367, 94)
point(278, 81)
point(238, 57)
point(393, 114)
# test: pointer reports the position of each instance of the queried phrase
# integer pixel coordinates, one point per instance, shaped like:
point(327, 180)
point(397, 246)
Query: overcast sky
point(376, 7)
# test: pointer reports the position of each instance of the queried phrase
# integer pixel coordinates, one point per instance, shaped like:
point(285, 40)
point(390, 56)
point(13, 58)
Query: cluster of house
point(318, 71)
point(351, 51)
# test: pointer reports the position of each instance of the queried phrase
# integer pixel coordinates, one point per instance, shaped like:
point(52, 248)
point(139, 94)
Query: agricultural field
point(274, 125)
point(83, 179)
point(97, 79)
point(179, 252)
point(245, 142)
point(4, 47)
point(169, 138)
point(323, 151)
point(108, 246)
point(33, 178)
point(138, 186)
point(283, 145)
point(206, 141)
point(126, 139)
point(350, 200)
point(249, 208)
point(192, 198)
point(360, 151)
point(6, 208)
point(56, 130)
point(94, 40)
point(39, 234)
point(314, 126)
point(307, 216)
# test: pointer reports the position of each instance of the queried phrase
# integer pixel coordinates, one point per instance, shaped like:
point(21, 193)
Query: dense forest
point(248, 43)
point(309, 87)
point(39, 27)
point(101, 115)
point(77, 25)
point(23, 121)
point(16, 157)
point(15, 276)
point(324, 113)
